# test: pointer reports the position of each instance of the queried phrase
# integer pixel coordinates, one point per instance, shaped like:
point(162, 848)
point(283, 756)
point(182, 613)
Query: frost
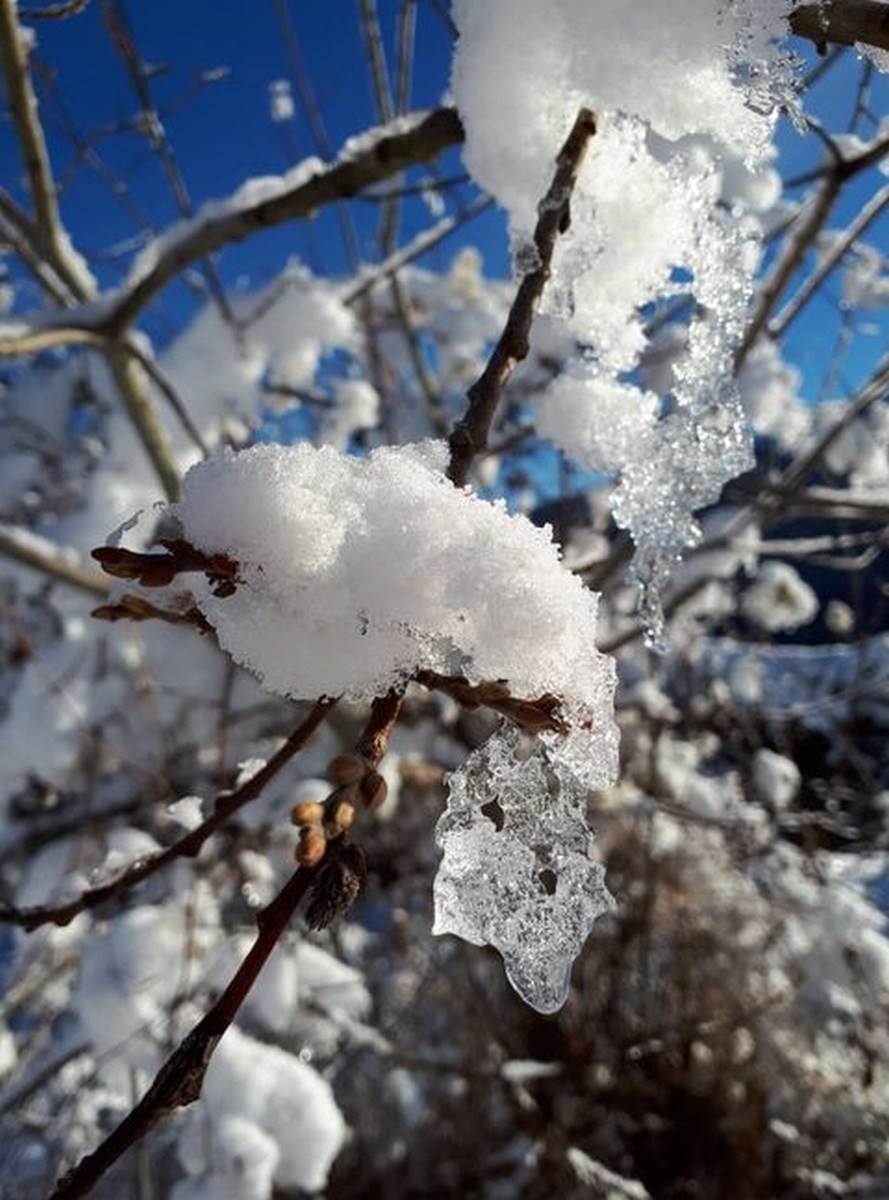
point(518, 869)
point(356, 573)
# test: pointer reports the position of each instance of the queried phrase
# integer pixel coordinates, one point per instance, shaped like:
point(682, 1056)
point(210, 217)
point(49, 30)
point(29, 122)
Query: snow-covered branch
point(262, 204)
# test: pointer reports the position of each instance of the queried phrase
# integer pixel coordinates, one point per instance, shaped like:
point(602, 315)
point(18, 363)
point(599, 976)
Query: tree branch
point(51, 560)
point(470, 436)
point(375, 157)
point(179, 1081)
point(23, 107)
point(186, 847)
point(844, 22)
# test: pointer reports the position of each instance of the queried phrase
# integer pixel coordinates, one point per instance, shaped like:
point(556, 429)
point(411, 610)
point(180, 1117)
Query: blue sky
point(222, 133)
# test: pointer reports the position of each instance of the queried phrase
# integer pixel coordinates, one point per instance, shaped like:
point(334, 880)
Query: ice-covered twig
point(470, 436)
point(187, 846)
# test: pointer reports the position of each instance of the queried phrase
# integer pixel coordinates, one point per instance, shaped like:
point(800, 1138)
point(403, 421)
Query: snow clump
point(355, 573)
point(654, 223)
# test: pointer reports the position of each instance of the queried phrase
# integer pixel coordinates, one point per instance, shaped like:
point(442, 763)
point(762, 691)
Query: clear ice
point(519, 871)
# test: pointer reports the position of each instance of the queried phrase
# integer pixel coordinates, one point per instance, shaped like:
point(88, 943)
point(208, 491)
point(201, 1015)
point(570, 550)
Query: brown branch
point(844, 22)
point(333, 883)
point(533, 715)
point(54, 12)
point(179, 1081)
point(470, 436)
point(187, 846)
point(384, 714)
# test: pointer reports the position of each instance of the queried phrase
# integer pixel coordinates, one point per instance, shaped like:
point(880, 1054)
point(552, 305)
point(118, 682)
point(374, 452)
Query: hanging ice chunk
point(519, 871)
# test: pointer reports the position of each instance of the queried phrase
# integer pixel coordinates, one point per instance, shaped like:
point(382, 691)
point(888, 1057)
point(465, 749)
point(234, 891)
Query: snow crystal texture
point(355, 573)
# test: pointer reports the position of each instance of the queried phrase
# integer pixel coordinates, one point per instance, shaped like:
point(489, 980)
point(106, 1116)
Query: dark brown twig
point(179, 1081)
point(470, 436)
point(845, 23)
point(186, 847)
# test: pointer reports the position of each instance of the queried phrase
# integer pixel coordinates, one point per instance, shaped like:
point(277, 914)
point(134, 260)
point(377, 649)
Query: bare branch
point(866, 217)
point(23, 107)
point(129, 377)
point(419, 245)
point(51, 560)
point(845, 22)
point(187, 846)
point(470, 436)
point(179, 1081)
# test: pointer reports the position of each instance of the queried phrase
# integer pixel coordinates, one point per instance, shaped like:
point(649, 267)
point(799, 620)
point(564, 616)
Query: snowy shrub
point(331, 576)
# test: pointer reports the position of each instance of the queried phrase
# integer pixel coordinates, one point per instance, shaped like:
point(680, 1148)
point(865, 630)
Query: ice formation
point(651, 222)
point(518, 870)
point(356, 573)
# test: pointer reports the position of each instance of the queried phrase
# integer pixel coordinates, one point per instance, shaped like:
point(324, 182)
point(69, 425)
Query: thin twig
point(470, 436)
point(422, 243)
point(866, 217)
point(187, 846)
point(179, 1081)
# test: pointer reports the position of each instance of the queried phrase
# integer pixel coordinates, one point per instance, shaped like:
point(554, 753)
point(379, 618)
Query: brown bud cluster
point(357, 783)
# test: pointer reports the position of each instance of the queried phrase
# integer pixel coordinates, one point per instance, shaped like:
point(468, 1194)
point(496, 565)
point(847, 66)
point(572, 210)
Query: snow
point(655, 165)
point(779, 599)
point(250, 194)
point(356, 573)
point(271, 1111)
